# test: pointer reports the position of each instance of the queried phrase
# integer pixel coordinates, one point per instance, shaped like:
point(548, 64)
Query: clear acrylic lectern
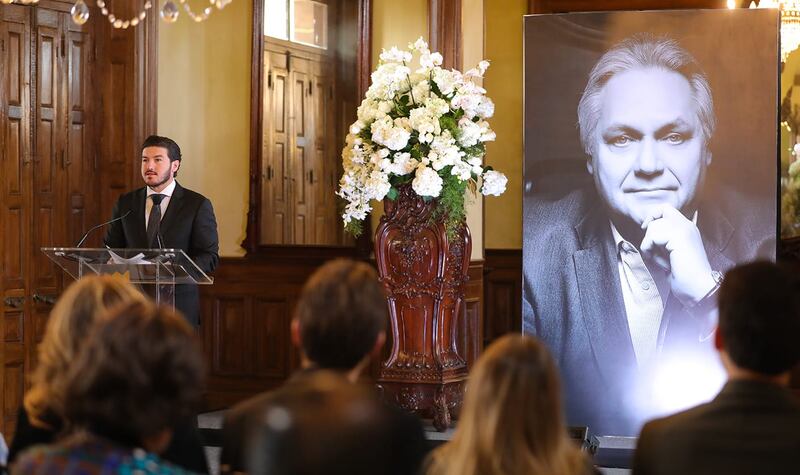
point(155, 271)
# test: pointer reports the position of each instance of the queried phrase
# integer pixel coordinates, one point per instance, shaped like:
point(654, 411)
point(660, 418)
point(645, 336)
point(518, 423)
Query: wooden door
point(276, 149)
point(49, 205)
point(301, 115)
point(15, 201)
point(80, 159)
point(324, 166)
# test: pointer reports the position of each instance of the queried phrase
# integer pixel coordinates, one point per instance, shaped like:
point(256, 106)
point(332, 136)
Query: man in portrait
point(622, 275)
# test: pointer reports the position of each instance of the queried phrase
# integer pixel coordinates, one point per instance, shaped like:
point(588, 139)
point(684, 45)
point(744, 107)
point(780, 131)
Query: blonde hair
point(511, 422)
point(79, 307)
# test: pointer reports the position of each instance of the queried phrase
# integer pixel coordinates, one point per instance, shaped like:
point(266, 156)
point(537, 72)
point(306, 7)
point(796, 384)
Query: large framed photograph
point(650, 170)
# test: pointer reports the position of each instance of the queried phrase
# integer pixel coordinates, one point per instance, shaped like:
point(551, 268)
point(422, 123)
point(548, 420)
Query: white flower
point(403, 164)
point(470, 132)
point(420, 45)
point(487, 134)
point(395, 55)
point(427, 182)
point(494, 183)
point(476, 162)
point(462, 170)
point(402, 113)
point(385, 133)
point(356, 127)
point(485, 108)
point(377, 185)
point(430, 60)
point(468, 103)
point(444, 151)
point(447, 81)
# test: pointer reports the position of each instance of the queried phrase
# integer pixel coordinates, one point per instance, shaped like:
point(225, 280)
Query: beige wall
point(472, 34)
point(204, 105)
point(204, 94)
point(503, 82)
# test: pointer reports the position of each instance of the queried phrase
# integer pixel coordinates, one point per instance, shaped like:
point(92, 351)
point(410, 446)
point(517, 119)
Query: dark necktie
point(154, 221)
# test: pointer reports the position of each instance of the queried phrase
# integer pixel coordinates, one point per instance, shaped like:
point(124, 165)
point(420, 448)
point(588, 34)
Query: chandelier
point(790, 23)
point(169, 11)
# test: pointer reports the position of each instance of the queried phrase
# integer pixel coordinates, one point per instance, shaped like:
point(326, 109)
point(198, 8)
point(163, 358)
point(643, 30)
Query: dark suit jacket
point(188, 224)
point(243, 421)
point(572, 300)
point(749, 428)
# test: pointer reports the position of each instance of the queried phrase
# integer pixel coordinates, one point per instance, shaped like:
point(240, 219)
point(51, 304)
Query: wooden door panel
point(48, 196)
point(271, 322)
point(325, 158)
point(15, 176)
point(79, 163)
point(230, 335)
point(274, 229)
point(14, 171)
point(303, 143)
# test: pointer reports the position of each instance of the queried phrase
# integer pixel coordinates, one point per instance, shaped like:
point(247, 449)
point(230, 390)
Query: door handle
point(45, 299)
point(14, 302)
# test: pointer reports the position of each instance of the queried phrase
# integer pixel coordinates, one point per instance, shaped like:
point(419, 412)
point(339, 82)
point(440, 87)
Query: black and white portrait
point(647, 176)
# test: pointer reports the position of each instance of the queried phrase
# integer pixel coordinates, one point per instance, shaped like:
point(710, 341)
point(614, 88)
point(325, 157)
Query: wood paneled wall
point(247, 314)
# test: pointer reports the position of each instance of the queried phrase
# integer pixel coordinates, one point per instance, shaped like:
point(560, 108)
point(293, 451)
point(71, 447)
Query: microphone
point(86, 235)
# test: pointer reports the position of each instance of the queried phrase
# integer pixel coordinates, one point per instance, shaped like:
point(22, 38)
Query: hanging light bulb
point(79, 12)
point(169, 12)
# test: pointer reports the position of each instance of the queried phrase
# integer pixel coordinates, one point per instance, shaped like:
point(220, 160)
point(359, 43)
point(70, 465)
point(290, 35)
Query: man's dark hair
point(140, 373)
point(173, 150)
point(329, 425)
point(759, 317)
point(341, 311)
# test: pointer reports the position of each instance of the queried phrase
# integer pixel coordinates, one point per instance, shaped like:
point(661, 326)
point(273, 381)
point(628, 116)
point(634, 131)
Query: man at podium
point(163, 214)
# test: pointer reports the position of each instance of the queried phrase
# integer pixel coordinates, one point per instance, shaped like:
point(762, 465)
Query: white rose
point(427, 182)
point(494, 183)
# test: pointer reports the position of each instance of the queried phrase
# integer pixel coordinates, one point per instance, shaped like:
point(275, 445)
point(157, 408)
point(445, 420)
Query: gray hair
point(643, 51)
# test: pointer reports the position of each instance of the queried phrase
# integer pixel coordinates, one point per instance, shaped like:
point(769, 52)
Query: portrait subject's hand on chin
point(674, 243)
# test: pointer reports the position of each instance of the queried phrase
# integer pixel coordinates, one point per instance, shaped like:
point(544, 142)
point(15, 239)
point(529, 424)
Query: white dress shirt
point(148, 202)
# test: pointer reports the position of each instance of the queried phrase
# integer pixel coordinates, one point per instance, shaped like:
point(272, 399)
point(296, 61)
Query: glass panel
point(310, 23)
point(276, 18)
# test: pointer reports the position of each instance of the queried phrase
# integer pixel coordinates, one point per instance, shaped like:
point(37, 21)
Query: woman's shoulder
point(145, 463)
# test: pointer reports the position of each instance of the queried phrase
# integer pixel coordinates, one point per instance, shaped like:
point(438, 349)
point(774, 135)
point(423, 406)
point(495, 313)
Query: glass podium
point(155, 271)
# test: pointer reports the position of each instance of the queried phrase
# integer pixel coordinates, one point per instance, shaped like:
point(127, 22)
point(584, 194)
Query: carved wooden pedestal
point(424, 274)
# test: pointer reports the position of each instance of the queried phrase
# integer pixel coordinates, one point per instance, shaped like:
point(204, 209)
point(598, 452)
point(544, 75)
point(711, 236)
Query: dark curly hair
point(140, 373)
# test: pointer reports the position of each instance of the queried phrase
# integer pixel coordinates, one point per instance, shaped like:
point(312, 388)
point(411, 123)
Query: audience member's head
point(139, 374)
point(341, 315)
point(81, 305)
point(333, 427)
point(511, 421)
point(759, 319)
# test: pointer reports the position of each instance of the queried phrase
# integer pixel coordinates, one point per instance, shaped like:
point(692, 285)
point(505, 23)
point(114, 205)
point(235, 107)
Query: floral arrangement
point(427, 128)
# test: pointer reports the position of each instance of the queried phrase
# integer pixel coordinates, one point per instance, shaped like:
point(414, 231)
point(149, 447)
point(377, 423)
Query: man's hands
point(673, 242)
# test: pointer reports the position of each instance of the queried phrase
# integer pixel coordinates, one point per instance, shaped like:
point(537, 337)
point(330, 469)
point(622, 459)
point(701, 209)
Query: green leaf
point(392, 194)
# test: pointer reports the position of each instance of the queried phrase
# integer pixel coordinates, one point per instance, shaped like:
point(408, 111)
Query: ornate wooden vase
point(424, 274)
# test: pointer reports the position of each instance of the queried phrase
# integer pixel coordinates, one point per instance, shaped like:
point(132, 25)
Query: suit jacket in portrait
point(572, 301)
point(188, 224)
point(749, 428)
